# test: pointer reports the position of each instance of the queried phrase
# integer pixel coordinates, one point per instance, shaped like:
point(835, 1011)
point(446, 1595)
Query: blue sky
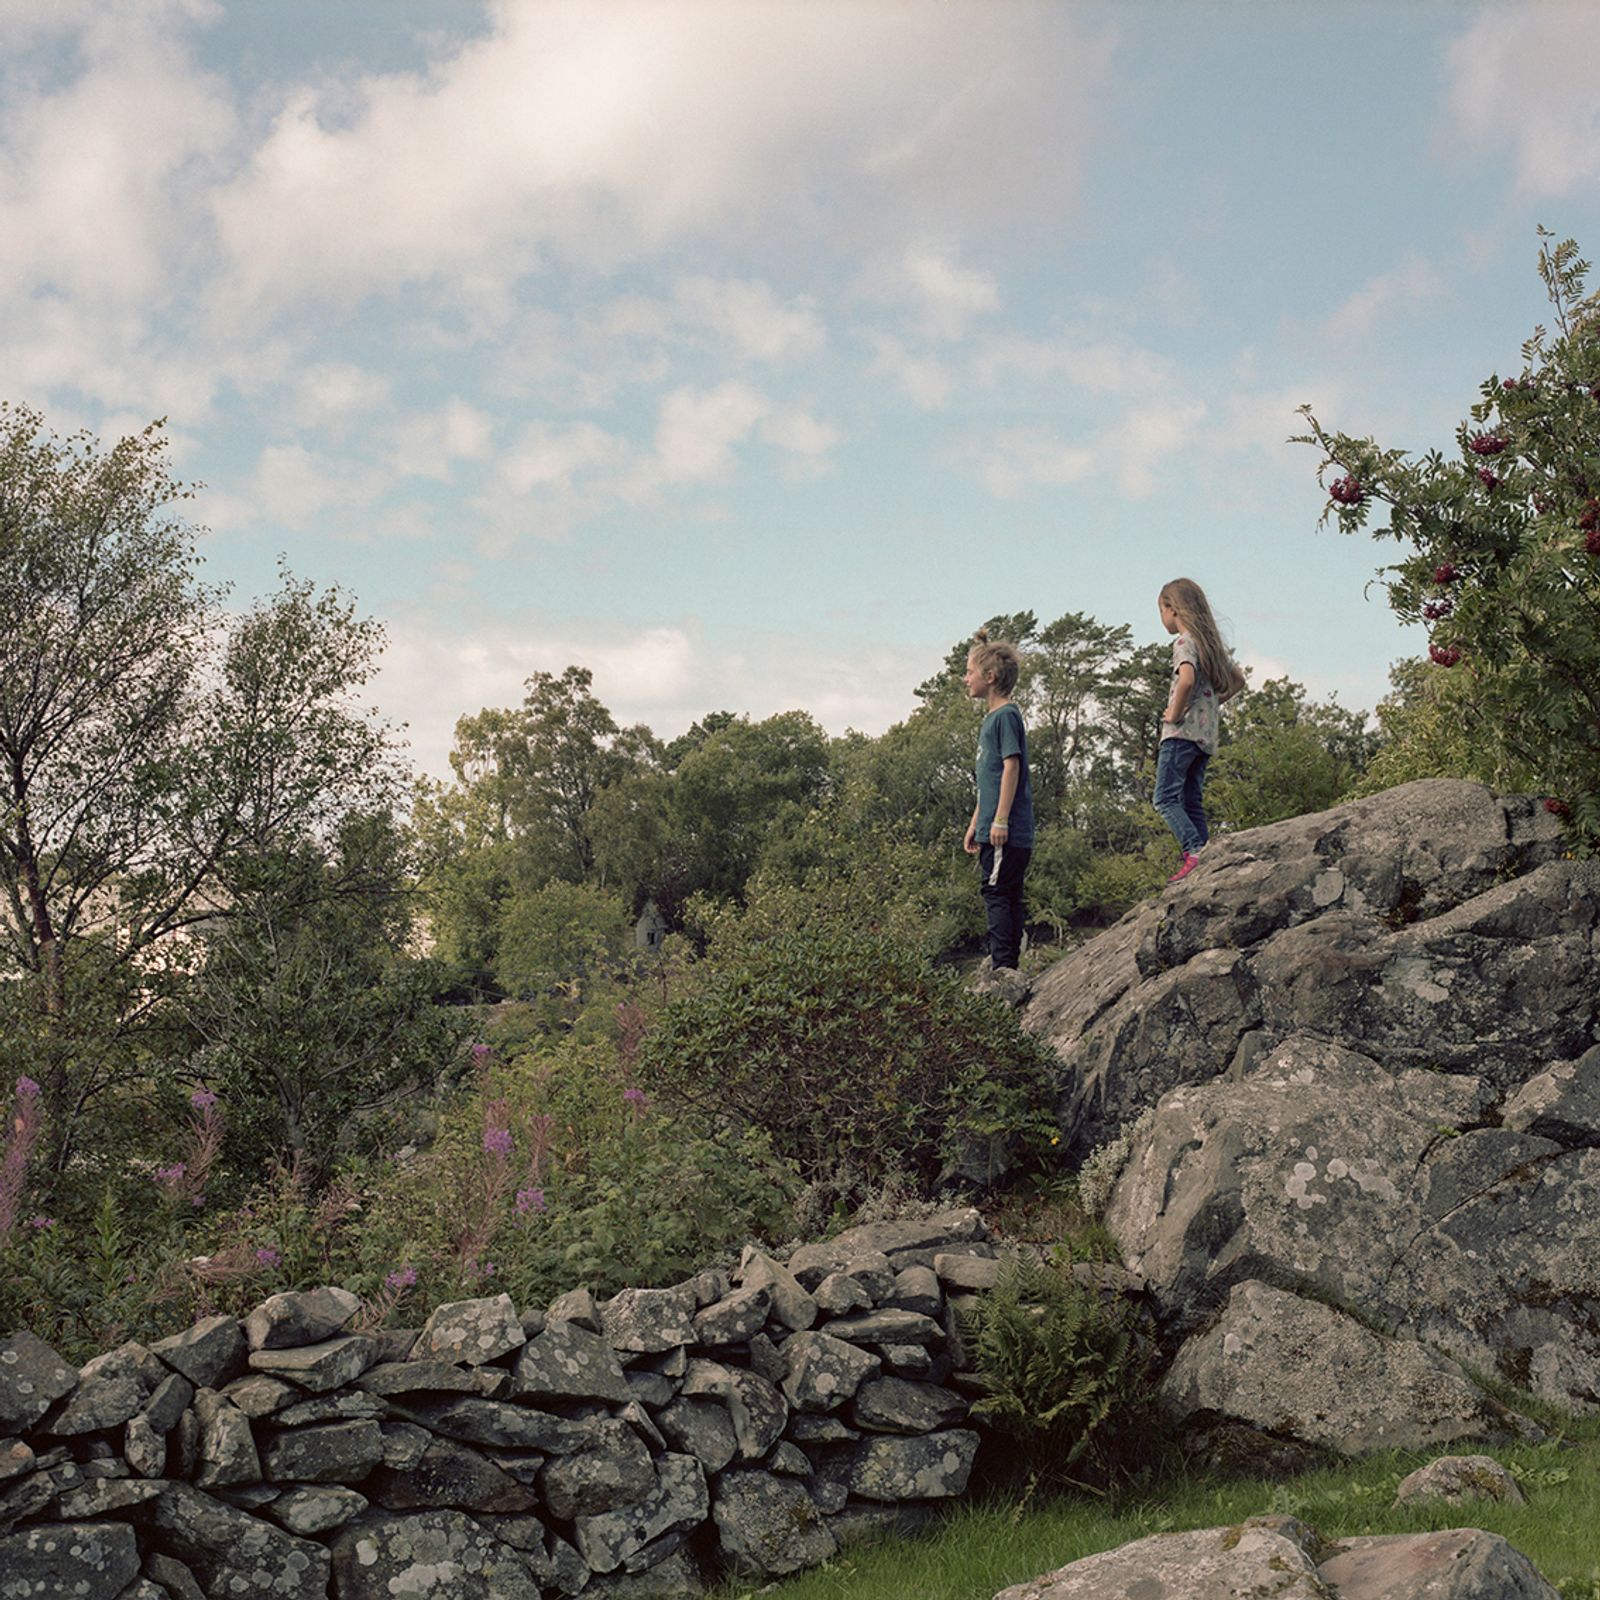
point(749, 352)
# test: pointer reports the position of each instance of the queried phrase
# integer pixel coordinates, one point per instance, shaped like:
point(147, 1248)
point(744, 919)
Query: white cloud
point(1142, 443)
point(665, 675)
point(603, 133)
point(1524, 76)
point(1020, 458)
point(1084, 359)
point(948, 296)
point(429, 444)
point(698, 429)
point(335, 394)
point(751, 317)
point(927, 381)
point(96, 173)
point(1414, 282)
point(293, 487)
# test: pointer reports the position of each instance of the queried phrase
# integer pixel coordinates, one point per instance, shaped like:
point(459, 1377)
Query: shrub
point(1500, 553)
point(850, 1049)
point(557, 1172)
point(1057, 1362)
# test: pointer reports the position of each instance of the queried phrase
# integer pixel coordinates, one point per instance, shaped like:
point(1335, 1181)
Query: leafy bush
point(557, 1172)
point(850, 1049)
point(1501, 552)
point(1057, 1362)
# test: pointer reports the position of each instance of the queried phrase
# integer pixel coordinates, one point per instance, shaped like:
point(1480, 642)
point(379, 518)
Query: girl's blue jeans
point(1180, 782)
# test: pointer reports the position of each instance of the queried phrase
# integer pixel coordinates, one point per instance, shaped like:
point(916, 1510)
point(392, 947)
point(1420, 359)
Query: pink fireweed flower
point(266, 1256)
point(403, 1279)
point(497, 1141)
point(27, 1089)
point(636, 1100)
point(202, 1099)
point(171, 1175)
point(530, 1200)
point(41, 1223)
point(482, 1052)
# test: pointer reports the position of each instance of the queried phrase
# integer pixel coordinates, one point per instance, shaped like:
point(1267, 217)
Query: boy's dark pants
point(1002, 901)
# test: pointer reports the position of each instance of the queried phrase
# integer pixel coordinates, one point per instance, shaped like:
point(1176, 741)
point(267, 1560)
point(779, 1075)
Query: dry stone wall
point(752, 1421)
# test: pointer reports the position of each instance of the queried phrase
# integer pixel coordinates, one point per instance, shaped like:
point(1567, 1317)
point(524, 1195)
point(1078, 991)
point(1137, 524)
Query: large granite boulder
point(1281, 1558)
point(1389, 1192)
point(1437, 925)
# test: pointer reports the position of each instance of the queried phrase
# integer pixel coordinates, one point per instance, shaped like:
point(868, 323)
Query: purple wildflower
point(27, 1089)
point(266, 1256)
point(171, 1175)
point(41, 1223)
point(530, 1200)
point(482, 1052)
point(202, 1099)
point(497, 1141)
point(403, 1279)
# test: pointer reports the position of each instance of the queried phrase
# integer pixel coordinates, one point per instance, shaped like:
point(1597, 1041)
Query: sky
point(751, 352)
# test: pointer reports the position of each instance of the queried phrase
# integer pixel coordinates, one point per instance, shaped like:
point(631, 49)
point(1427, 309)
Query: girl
point(1203, 676)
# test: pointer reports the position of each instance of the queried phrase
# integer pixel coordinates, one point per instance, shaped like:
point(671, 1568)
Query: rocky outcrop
point(1437, 925)
point(1287, 1560)
point(1353, 1059)
point(499, 1453)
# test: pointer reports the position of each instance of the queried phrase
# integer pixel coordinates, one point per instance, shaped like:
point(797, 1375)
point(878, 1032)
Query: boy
point(1000, 833)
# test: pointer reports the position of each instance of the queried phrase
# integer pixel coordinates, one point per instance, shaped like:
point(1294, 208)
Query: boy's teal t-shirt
point(1002, 735)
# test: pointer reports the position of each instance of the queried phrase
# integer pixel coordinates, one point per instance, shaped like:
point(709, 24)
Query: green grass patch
point(981, 1548)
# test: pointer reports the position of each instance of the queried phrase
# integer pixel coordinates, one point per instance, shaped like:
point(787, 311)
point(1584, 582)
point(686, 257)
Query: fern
point(1055, 1361)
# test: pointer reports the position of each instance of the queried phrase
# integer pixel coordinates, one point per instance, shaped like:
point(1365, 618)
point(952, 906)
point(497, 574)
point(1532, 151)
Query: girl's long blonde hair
point(1193, 611)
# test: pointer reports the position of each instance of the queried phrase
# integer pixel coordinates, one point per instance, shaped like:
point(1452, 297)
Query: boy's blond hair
point(996, 659)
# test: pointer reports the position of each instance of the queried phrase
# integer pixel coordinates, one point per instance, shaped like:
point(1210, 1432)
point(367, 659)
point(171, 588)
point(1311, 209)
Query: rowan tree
point(1502, 551)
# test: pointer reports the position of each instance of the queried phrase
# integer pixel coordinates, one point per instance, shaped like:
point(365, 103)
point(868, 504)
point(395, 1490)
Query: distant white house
point(650, 928)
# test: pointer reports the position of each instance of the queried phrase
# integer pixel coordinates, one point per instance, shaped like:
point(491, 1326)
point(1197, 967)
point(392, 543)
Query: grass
point(979, 1549)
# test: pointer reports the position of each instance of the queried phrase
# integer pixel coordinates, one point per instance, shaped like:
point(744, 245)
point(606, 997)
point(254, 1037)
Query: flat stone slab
point(432, 1555)
point(208, 1354)
point(471, 1332)
point(306, 1316)
point(94, 1560)
point(317, 1367)
point(32, 1378)
point(566, 1362)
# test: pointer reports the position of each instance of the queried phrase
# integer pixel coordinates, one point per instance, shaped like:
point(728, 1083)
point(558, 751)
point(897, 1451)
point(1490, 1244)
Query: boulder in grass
point(94, 1560)
point(305, 1316)
point(1304, 1371)
point(432, 1555)
point(1265, 1556)
point(1456, 1479)
point(470, 1332)
point(1455, 1564)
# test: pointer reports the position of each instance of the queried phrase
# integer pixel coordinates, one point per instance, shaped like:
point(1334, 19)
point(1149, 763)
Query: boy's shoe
point(1189, 864)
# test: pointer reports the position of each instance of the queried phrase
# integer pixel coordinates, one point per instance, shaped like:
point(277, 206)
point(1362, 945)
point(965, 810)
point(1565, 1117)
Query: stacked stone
point(755, 1421)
